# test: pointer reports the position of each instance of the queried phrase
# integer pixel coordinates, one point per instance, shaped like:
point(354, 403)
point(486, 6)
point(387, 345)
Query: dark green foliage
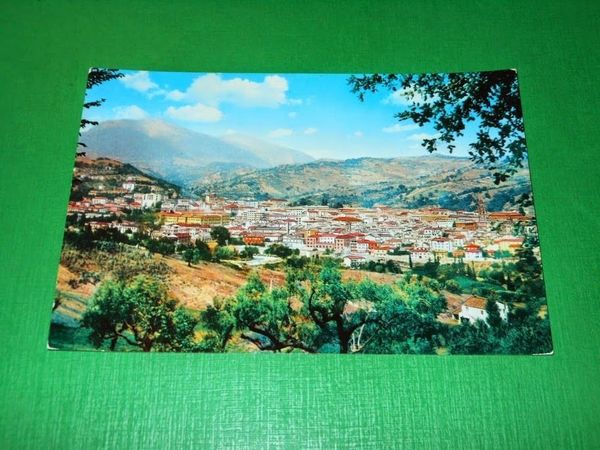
point(530, 336)
point(106, 239)
point(318, 312)
point(82, 240)
point(381, 267)
point(188, 256)
point(163, 246)
point(429, 269)
point(224, 253)
point(304, 201)
point(508, 196)
point(280, 250)
point(524, 333)
point(298, 262)
point(219, 324)
point(473, 339)
point(528, 279)
point(202, 251)
point(450, 101)
point(450, 200)
point(399, 251)
point(494, 319)
point(248, 252)
point(453, 286)
point(146, 220)
point(141, 314)
point(220, 234)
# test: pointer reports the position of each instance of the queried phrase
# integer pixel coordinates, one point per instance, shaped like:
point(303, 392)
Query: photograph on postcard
point(307, 213)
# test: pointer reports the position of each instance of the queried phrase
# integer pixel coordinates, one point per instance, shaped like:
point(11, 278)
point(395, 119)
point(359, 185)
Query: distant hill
point(403, 182)
point(274, 154)
point(180, 155)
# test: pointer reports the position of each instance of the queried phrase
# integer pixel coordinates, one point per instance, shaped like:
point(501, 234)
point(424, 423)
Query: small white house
point(473, 309)
point(293, 241)
point(442, 244)
point(473, 253)
point(150, 200)
point(353, 260)
point(129, 185)
point(420, 255)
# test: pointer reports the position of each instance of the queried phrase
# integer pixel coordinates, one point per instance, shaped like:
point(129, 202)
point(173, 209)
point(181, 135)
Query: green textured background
point(60, 400)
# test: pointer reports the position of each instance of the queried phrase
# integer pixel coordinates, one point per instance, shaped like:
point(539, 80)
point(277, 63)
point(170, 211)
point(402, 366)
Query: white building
point(420, 255)
point(326, 239)
point(129, 185)
point(292, 241)
point(99, 200)
point(442, 244)
point(474, 309)
point(150, 200)
point(473, 253)
point(433, 232)
point(127, 227)
point(353, 260)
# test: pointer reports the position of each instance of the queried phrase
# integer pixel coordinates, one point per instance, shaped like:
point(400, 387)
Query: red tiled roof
point(476, 302)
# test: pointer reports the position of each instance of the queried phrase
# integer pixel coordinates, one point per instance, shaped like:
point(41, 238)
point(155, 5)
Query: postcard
point(334, 213)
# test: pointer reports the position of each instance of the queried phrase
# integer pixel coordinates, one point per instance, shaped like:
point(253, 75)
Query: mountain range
point(183, 156)
point(244, 167)
point(411, 182)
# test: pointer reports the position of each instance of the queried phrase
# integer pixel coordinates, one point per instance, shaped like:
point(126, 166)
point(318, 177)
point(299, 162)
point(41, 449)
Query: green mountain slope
point(403, 182)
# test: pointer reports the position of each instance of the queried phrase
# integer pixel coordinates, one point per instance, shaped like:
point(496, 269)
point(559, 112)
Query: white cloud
point(294, 101)
point(280, 132)
point(129, 112)
point(397, 128)
point(310, 131)
point(292, 114)
point(139, 81)
point(211, 89)
point(358, 134)
point(195, 113)
point(420, 136)
point(176, 95)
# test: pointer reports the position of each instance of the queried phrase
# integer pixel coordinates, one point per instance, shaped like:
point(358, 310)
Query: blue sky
point(316, 114)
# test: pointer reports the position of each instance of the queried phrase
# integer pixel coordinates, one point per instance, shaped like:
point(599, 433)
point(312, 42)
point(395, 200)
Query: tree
point(267, 319)
point(96, 76)
point(163, 246)
point(188, 256)
point(494, 319)
point(249, 252)
point(366, 316)
point(453, 286)
point(279, 250)
point(450, 101)
point(528, 336)
point(224, 253)
point(203, 251)
point(141, 314)
point(472, 339)
point(82, 240)
point(219, 324)
point(220, 234)
point(529, 274)
point(317, 311)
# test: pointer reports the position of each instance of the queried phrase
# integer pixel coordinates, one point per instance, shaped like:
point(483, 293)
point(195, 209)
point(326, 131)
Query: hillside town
point(354, 234)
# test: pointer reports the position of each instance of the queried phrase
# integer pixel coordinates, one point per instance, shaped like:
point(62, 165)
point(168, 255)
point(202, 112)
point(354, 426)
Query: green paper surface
point(86, 400)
